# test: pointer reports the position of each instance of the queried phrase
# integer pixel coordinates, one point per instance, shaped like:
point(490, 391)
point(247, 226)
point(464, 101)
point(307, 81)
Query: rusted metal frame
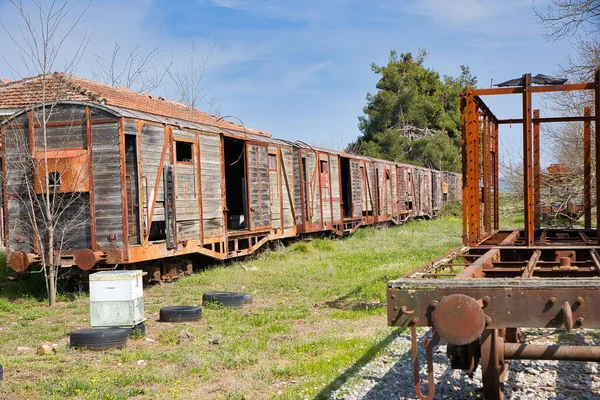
point(67, 123)
point(527, 162)
point(485, 109)
point(476, 269)
point(546, 120)
point(545, 299)
point(528, 272)
point(557, 352)
point(596, 260)
point(143, 194)
point(287, 185)
point(4, 190)
point(473, 201)
point(124, 202)
point(535, 89)
point(496, 172)
point(465, 188)
point(88, 137)
point(597, 129)
point(157, 183)
point(587, 169)
point(486, 175)
point(537, 172)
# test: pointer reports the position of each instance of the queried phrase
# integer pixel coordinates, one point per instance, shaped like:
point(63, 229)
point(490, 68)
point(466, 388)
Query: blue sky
point(301, 69)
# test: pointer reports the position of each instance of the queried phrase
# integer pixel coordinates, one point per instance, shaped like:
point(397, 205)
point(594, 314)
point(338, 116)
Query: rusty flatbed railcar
point(478, 297)
point(155, 188)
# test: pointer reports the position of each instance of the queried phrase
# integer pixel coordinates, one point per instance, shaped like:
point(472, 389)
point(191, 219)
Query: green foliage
point(412, 96)
point(452, 208)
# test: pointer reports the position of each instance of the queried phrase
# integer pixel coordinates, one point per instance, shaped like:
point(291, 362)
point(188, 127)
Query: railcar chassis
point(477, 298)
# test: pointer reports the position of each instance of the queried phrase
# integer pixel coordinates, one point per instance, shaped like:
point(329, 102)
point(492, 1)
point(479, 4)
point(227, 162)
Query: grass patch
point(318, 313)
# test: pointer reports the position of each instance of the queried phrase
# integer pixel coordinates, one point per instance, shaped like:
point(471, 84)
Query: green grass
point(318, 313)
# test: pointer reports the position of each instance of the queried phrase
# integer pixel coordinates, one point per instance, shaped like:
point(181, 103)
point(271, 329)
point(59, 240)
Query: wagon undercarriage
point(477, 298)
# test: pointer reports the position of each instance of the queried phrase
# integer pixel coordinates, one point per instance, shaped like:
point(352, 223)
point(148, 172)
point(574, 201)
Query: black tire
point(180, 314)
point(99, 339)
point(225, 299)
point(1, 373)
point(247, 298)
point(141, 327)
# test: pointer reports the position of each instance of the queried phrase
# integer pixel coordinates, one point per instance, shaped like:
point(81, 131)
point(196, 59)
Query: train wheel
point(493, 366)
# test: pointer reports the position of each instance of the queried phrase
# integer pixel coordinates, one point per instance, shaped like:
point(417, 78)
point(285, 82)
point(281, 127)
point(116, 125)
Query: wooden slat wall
point(324, 181)
point(186, 192)
point(152, 141)
point(15, 158)
point(107, 185)
point(288, 162)
point(212, 200)
point(258, 184)
point(335, 187)
point(312, 176)
point(274, 185)
point(357, 189)
point(297, 170)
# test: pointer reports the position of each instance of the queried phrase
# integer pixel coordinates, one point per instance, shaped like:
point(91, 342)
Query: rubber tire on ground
point(247, 298)
point(1, 373)
point(99, 339)
point(225, 299)
point(180, 314)
point(141, 327)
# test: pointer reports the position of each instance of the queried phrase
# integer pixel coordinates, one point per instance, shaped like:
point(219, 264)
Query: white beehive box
point(116, 298)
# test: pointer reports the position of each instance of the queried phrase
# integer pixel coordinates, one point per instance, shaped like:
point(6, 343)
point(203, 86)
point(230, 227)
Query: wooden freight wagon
point(142, 189)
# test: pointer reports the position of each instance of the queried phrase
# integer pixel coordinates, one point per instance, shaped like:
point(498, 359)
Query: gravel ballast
point(390, 375)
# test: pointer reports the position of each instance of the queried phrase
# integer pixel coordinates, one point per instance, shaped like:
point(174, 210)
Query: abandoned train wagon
point(131, 187)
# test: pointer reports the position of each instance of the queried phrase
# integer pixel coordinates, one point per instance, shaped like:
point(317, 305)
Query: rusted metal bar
point(545, 120)
point(527, 162)
point(537, 173)
point(535, 89)
point(487, 174)
point(587, 169)
point(525, 351)
point(465, 190)
point(496, 164)
point(597, 127)
point(473, 201)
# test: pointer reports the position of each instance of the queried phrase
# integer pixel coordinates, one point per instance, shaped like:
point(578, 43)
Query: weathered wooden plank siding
point(152, 142)
point(324, 182)
point(258, 184)
point(357, 185)
point(297, 186)
point(335, 187)
point(107, 185)
point(212, 201)
point(17, 164)
point(313, 187)
point(288, 171)
point(274, 186)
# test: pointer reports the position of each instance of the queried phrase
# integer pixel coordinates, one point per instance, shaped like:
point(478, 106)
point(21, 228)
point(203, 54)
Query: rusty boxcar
point(153, 183)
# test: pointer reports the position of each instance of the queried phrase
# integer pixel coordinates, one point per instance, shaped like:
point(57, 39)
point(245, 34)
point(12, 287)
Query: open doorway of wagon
point(235, 184)
point(346, 187)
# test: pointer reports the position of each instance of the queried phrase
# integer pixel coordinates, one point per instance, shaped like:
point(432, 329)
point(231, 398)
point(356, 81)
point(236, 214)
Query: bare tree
point(44, 209)
point(137, 71)
point(189, 82)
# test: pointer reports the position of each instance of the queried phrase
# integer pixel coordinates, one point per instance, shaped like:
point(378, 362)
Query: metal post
point(527, 162)
point(486, 174)
point(536, 170)
point(597, 127)
point(587, 168)
point(465, 187)
point(496, 177)
point(473, 200)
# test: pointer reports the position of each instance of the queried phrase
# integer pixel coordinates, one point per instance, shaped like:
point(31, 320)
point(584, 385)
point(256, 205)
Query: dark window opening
point(409, 176)
point(409, 205)
point(157, 231)
point(346, 187)
point(387, 175)
point(324, 169)
point(184, 151)
point(235, 183)
point(272, 162)
point(54, 179)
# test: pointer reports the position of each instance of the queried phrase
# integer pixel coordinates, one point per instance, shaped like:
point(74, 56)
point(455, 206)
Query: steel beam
point(587, 169)
point(537, 173)
point(527, 162)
